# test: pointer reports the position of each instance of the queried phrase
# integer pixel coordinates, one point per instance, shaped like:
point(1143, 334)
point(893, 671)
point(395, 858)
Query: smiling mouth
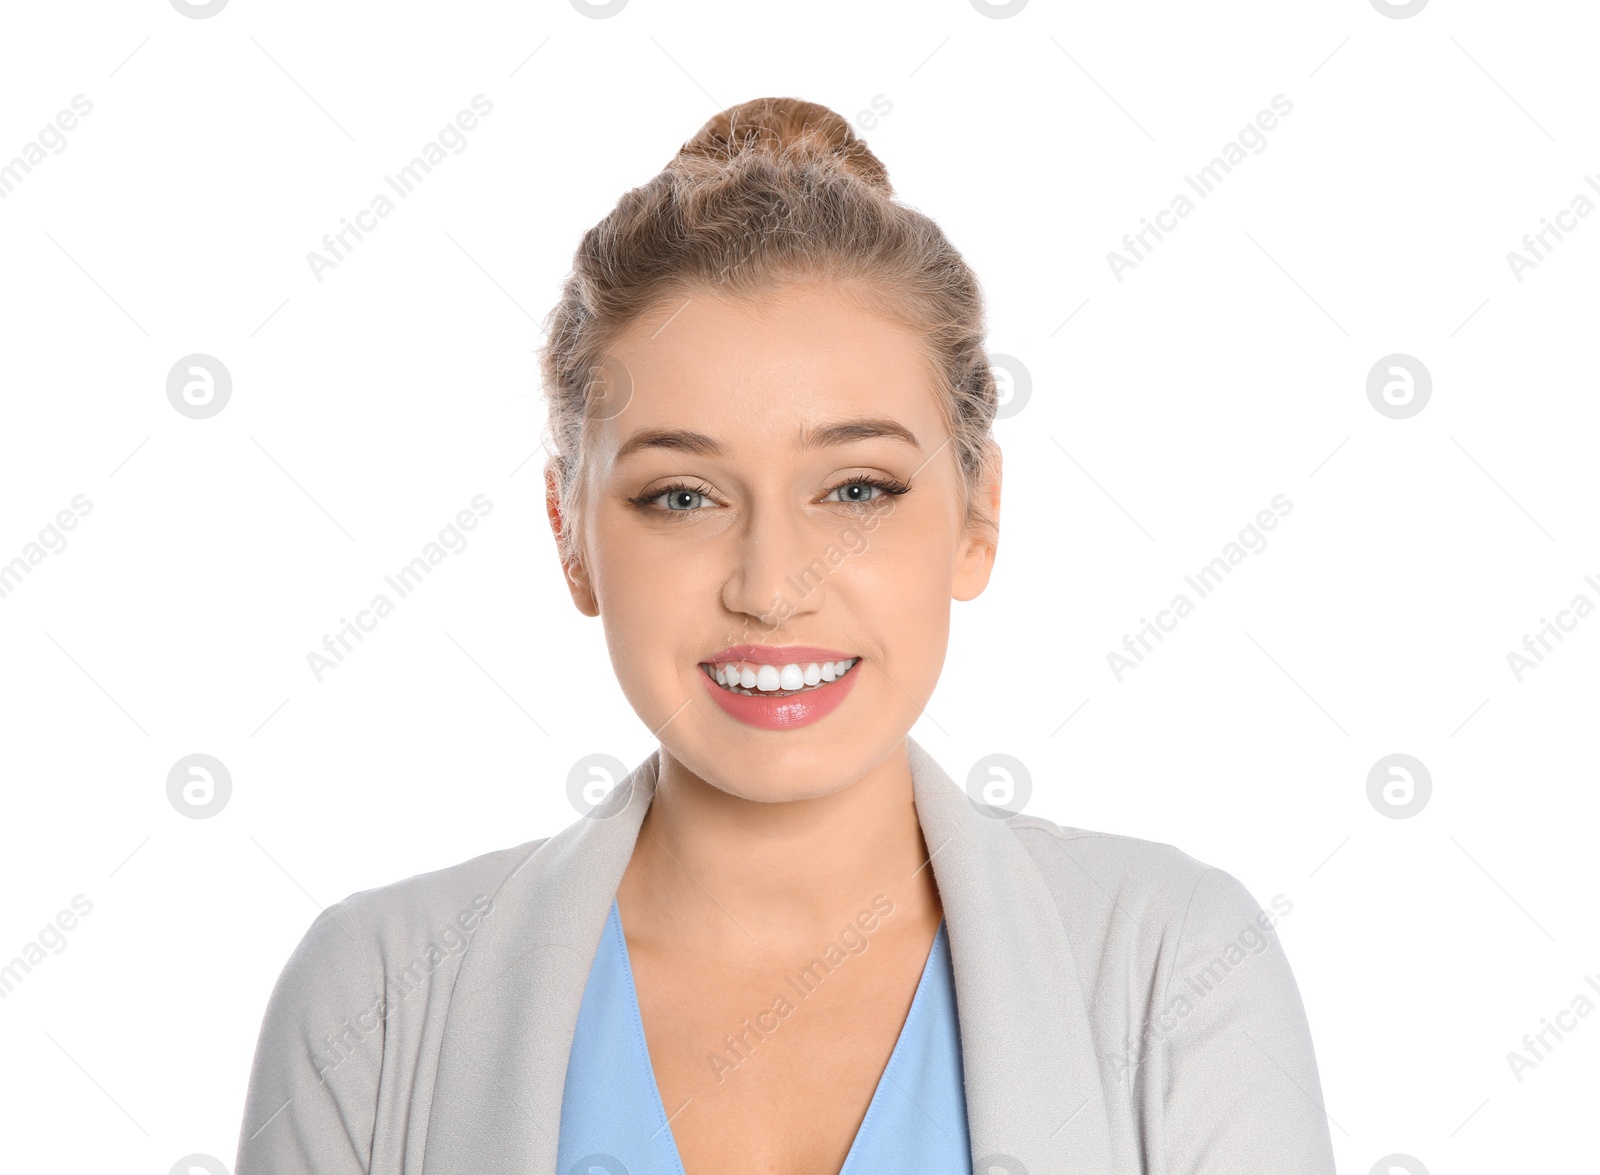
point(777, 681)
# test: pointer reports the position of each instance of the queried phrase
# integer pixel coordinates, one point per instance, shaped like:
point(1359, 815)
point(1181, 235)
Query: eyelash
point(888, 485)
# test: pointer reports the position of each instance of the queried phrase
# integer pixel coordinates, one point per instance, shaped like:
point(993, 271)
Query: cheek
point(904, 585)
point(654, 597)
point(909, 552)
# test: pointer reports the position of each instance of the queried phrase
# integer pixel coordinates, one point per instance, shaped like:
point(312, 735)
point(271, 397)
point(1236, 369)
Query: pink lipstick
point(779, 687)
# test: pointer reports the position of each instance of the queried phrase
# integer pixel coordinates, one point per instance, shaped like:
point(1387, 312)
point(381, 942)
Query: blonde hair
point(768, 192)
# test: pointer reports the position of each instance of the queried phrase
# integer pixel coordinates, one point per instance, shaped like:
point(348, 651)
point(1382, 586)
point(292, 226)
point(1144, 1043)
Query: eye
point(684, 500)
point(856, 492)
point(883, 485)
point(681, 499)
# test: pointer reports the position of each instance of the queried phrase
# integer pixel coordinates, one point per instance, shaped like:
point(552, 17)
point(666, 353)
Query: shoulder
point(1196, 1009)
point(1155, 881)
point(348, 994)
point(1146, 908)
point(377, 944)
point(427, 905)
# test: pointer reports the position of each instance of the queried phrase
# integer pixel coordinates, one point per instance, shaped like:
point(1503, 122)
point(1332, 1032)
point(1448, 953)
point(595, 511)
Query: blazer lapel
point(1029, 1066)
point(514, 1011)
point(1031, 1075)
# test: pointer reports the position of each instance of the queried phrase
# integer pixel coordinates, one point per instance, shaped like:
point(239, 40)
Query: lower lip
point(784, 713)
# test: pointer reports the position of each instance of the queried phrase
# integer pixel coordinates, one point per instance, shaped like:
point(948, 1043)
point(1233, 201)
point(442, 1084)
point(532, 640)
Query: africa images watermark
point(1198, 984)
point(335, 246)
point(52, 938)
point(853, 939)
point(52, 138)
point(1252, 138)
point(1251, 541)
point(1564, 222)
point(450, 541)
point(340, 1045)
point(850, 542)
point(1537, 644)
point(50, 541)
point(1566, 1020)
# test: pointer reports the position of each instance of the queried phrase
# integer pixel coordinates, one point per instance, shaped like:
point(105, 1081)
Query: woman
point(788, 940)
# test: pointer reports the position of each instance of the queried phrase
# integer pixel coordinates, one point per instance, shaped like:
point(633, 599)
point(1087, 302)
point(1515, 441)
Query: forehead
point(766, 370)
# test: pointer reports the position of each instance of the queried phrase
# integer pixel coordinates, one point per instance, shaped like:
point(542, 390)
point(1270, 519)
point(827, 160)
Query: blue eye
point(675, 499)
point(870, 485)
point(884, 485)
point(681, 499)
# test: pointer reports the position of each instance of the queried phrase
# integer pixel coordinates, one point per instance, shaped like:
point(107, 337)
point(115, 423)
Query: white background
point(1166, 410)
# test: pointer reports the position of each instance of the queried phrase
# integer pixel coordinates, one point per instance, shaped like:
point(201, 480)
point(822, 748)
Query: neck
point(715, 872)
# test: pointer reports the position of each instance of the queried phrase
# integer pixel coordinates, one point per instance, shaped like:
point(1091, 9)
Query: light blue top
point(612, 1118)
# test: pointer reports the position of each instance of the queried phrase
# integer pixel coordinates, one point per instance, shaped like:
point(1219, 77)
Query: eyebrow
point(839, 432)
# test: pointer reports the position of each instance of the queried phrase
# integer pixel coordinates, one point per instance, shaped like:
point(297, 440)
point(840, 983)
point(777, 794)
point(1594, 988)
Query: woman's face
point(741, 491)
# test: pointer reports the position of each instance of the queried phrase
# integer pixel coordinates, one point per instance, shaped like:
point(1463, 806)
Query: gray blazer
point(1123, 1007)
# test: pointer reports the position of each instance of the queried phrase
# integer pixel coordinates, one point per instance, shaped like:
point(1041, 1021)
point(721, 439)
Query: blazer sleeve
point(1239, 1076)
point(312, 1098)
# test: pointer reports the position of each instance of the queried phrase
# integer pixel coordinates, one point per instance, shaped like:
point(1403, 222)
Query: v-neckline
point(650, 1070)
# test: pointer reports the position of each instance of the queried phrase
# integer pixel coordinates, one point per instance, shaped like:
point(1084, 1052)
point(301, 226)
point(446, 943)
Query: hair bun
point(788, 129)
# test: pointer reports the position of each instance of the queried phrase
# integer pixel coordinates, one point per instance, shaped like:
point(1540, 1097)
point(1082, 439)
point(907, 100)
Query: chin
point(773, 767)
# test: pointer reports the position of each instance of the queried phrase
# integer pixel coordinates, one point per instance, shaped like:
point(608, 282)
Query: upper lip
point(776, 654)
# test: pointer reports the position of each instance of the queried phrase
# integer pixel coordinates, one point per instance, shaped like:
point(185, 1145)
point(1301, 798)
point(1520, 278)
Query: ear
point(976, 554)
point(576, 575)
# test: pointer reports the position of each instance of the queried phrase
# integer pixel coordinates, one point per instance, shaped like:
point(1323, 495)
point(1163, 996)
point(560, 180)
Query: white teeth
point(747, 677)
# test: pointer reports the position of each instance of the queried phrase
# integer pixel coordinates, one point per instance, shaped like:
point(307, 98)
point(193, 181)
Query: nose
point(777, 566)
